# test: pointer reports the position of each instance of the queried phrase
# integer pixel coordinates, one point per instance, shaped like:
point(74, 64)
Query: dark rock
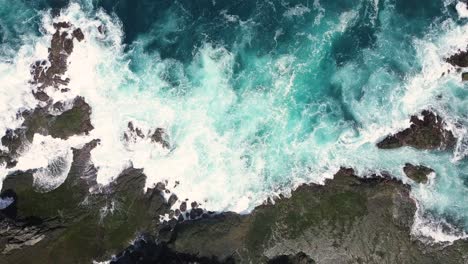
point(133, 133)
point(61, 25)
point(172, 200)
point(183, 207)
point(75, 121)
point(299, 258)
point(78, 34)
point(348, 220)
point(41, 96)
point(459, 59)
point(147, 250)
point(196, 213)
point(160, 136)
point(74, 216)
point(417, 173)
point(160, 186)
point(427, 133)
point(50, 74)
point(101, 29)
point(465, 76)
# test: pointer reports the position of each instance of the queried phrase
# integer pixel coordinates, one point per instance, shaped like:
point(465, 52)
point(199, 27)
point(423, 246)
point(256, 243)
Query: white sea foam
point(297, 10)
point(462, 9)
point(432, 230)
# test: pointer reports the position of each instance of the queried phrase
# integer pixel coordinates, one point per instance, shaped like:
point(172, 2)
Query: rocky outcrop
point(47, 73)
point(160, 136)
point(417, 173)
point(50, 72)
point(135, 134)
point(459, 59)
point(426, 133)
point(17, 234)
point(348, 220)
point(79, 221)
point(75, 121)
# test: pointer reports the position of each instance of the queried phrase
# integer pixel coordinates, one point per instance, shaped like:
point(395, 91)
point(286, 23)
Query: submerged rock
point(417, 173)
point(426, 133)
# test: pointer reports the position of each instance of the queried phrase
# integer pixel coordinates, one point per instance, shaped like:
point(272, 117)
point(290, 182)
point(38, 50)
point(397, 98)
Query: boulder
point(426, 133)
point(417, 173)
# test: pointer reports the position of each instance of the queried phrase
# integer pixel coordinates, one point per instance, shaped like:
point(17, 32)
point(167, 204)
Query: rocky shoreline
point(347, 220)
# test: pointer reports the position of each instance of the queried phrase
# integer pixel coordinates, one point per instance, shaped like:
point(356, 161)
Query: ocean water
point(257, 97)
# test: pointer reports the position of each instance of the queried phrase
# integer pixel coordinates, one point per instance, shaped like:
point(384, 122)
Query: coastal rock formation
point(75, 121)
point(135, 134)
point(347, 220)
point(49, 72)
point(75, 223)
point(417, 173)
point(459, 59)
point(426, 133)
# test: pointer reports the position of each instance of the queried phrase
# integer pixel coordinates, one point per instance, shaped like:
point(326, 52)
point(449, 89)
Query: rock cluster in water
point(426, 132)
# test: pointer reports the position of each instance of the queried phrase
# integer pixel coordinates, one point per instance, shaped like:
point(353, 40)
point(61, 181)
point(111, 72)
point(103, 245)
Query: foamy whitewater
point(257, 98)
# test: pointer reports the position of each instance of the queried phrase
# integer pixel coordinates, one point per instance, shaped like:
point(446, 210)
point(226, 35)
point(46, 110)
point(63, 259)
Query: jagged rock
point(417, 173)
point(172, 199)
point(92, 224)
point(75, 121)
point(17, 234)
point(160, 136)
point(183, 207)
point(459, 59)
point(49, 73)
point(426, 133)
point(78, 34)
point(196, 213)
point(348, 220)
point(134, 134)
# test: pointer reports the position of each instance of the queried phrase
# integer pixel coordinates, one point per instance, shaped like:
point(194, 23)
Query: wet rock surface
point(348, 220)
point(50, 72)
point(135, 134)
point(459, 59)
point(73, 223)
point(75, 121)
point(428, 132)
point(417, 173)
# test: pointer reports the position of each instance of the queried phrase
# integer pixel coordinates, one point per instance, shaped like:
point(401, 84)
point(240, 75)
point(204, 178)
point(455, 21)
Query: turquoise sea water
point(260, 96)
